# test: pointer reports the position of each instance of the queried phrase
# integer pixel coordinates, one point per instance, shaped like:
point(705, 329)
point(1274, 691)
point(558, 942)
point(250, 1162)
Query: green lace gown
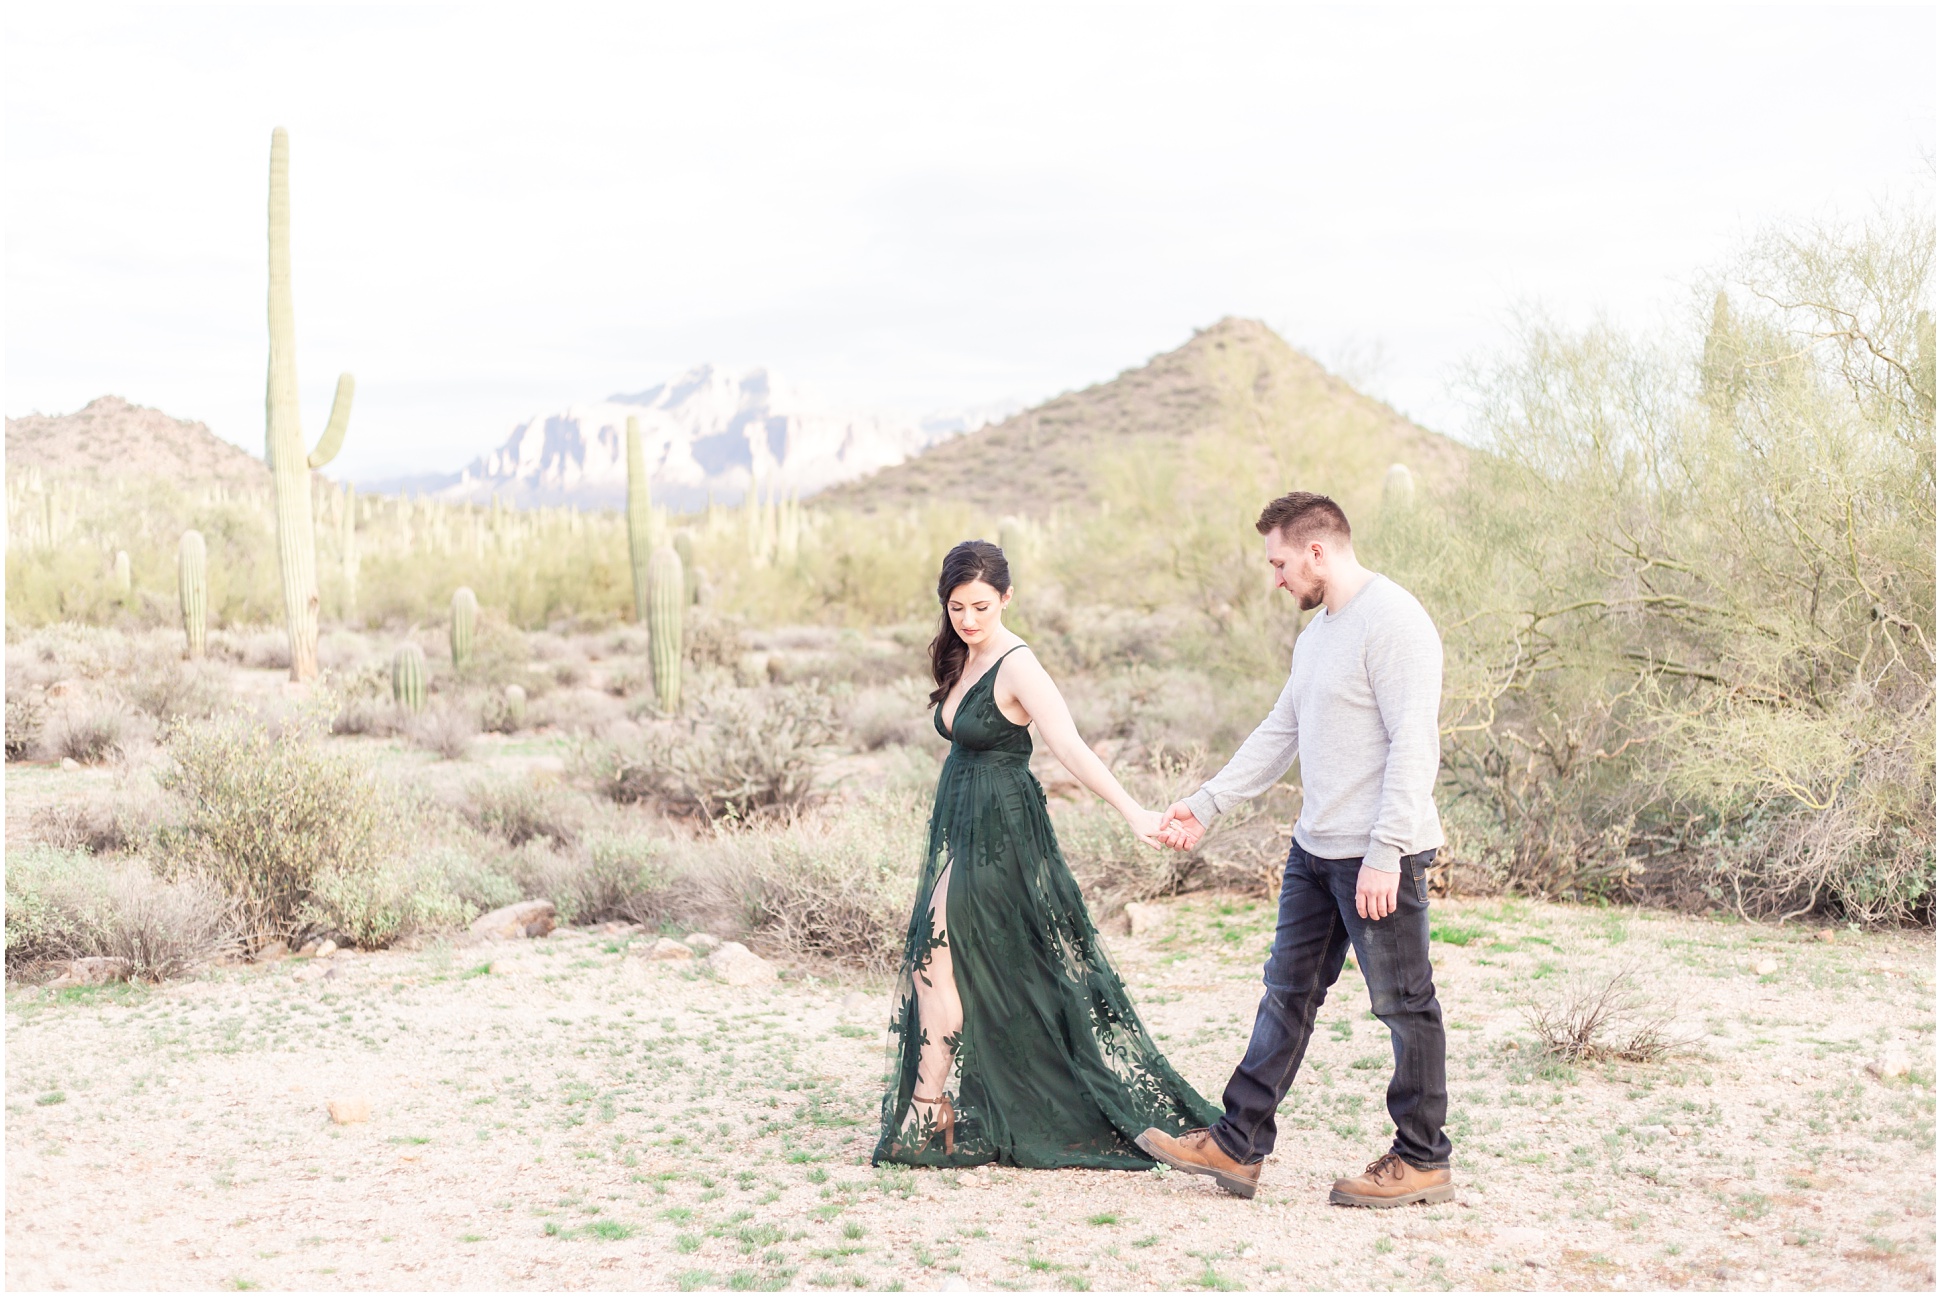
point(1053, 1067)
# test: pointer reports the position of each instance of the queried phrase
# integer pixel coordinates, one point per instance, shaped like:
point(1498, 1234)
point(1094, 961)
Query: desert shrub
point(880, 715)
point(446, 728)
point(125, 820)
point(1599, 1019)
point(364, 702)
point(710, 639)
point(68, 905)
point(25, 715)
point(172, 689)
point(1689, 599)
point(740, 754)
point(264, 814)
point(90, 729)
point(582, 711)
point(837, 884)
point(611, 877)
point(380, 900)
point(519, 811)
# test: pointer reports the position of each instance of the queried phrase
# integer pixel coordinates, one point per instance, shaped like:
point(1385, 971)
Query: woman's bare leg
point(940, 1013)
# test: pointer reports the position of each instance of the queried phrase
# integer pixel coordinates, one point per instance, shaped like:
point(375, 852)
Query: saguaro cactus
point(666, 595)
point(192, 580)
point(124, 575)
point(640, 517)
point(684, 546)
point(1398, 487)
point(465, 616)
point(515, 706)
point(408, 677)
point(296, 539)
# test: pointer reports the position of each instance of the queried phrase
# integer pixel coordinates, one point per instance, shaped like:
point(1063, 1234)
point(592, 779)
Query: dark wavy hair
point(970, 560)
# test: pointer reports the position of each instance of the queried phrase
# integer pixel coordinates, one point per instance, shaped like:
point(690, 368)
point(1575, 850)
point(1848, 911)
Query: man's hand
point(1375, 892)
point(1180, 828)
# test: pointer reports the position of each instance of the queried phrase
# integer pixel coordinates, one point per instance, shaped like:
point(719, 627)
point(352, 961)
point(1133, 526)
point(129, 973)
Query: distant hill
point(709, 433)
point(110, 438)
point(1238, 379)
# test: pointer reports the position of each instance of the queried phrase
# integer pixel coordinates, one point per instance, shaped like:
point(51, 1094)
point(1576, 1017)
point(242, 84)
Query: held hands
point(1146, 826)
point(1180, 829)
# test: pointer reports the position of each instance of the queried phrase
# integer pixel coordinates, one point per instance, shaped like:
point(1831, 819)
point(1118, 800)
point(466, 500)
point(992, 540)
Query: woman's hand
point(1145, 825)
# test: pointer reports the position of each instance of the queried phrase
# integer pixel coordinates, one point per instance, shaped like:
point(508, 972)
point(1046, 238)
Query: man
point(1359, 709)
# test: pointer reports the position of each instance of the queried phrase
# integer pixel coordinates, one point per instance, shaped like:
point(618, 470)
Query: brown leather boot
point(1391, 1182)
point(1195, 1151)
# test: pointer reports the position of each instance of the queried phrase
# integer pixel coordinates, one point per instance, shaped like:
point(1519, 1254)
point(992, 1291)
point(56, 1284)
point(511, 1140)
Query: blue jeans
point(1317, 924)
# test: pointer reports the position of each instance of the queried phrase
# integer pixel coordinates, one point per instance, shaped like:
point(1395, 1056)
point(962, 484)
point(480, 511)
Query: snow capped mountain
point(712, 431)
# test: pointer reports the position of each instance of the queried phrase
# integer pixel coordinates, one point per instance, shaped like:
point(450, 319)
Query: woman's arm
point(1024, 683)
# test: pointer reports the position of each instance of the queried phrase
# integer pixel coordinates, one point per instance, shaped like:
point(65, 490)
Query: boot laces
point(1386, 1164)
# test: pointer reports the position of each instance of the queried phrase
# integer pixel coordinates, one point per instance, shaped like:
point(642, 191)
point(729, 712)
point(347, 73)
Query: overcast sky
point(498, 211)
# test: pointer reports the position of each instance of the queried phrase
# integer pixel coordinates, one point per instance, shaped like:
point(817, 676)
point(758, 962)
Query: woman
point(1015, 1042)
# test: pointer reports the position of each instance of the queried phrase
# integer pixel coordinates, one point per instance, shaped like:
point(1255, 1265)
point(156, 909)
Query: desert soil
point(564, 1113)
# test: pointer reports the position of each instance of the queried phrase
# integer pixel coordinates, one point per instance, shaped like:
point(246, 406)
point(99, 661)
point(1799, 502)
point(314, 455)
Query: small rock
point(308, 950)
point(512, 922)
point(69, 763)
point(312, 972)
point(1520, 1236)
point(350, 1110)
point(1141, 919)
point(1893, 1063)
point(704, 943)
point(854, 1003)
point(273, 952)
point(955, 1283)
point(62, 688)
point(737, 965)
point(409, 1155)
point(1249, 1253)
point(1426, 1233)
point(1650, 1132)
point(668, 948)
point(1766, 967)
point(326, 948)
point(1824, 934)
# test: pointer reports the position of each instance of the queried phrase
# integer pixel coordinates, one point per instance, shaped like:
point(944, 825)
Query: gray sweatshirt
point(1359, 709)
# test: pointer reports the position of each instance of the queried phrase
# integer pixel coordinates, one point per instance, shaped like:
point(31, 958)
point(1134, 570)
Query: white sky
point(500, 210)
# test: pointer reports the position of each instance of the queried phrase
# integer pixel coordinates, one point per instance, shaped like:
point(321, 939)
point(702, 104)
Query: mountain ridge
point(1234, 376)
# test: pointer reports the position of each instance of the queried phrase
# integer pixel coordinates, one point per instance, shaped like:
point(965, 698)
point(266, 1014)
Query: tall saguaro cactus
point(192, 580)
point(290, 466)
point(640, 517)
point(408, 678)
point(666, 596)
point(465, 618)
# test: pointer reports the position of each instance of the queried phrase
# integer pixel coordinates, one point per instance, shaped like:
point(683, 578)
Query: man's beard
point(1312, 599)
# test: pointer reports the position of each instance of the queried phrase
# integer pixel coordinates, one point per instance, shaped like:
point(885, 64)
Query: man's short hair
point(1302, 516)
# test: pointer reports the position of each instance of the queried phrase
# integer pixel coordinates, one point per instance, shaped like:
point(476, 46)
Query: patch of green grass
point(50, 1098)
point(689, 1280)
point(1103, 1218)
point(1455, 934)
point(851, 1030)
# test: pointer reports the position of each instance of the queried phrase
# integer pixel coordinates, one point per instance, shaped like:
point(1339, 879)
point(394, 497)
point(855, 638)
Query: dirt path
point(566, 1114)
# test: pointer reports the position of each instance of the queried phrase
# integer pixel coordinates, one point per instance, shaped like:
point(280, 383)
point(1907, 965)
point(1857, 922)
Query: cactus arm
point(333, 434)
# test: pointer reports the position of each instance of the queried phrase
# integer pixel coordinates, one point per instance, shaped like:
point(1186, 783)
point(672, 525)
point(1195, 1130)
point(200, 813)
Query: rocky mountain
point(1235, 389)
point(710, 432)
point(110, 438)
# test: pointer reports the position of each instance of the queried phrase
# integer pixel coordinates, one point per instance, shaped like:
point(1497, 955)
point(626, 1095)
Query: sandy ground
point(562, 1113)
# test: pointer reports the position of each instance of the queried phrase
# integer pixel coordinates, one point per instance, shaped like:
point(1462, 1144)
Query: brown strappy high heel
point(946, 1121)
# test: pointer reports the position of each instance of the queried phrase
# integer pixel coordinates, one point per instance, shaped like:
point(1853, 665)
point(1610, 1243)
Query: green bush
point(266, 812)
point(379, 901)
point(70, 905)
